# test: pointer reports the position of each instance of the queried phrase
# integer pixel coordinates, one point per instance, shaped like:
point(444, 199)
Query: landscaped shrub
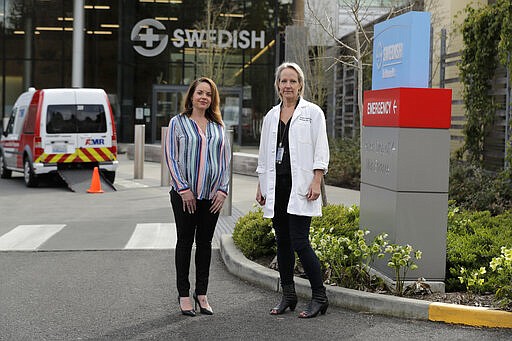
point(475, 188)
point(473, 239)
point(473, 279)
point(346, 260)
point(502, 267)
point(478, 246)
point(254, 235)
point(338, 220)
point(344, 164)
point(329, 237)
point(342, 250)
point(402, 259)
point(499, 279)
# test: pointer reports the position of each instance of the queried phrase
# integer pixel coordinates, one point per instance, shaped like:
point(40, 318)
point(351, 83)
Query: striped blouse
point(197, 162)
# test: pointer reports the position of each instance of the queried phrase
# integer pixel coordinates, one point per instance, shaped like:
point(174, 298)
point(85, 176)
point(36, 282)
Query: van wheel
point(110, 176)
point(28, 174)
point(4, 172)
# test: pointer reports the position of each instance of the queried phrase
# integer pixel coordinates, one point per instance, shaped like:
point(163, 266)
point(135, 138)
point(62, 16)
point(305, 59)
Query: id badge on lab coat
point(279, 155)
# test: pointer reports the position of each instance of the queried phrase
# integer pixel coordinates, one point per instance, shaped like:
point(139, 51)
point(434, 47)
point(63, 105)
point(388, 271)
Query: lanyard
point(287, 124)
point(284, 131)
point(280, 148)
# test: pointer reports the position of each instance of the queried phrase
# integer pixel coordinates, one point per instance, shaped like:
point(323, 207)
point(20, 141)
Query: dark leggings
point(292, 235)
point(201, 226)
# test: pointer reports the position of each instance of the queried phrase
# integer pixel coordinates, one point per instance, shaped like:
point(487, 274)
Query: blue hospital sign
point(401, 52)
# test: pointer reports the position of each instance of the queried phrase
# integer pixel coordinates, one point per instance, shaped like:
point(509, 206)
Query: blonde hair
point(213, 112)
point(293, 66)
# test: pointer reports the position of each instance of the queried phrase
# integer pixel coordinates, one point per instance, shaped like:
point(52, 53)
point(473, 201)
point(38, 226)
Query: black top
point(284, 167)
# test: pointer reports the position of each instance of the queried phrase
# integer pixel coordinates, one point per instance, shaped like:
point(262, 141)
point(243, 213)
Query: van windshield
point(89, 118)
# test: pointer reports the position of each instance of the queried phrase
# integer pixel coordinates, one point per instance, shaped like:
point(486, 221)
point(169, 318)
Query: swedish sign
point(401, 52)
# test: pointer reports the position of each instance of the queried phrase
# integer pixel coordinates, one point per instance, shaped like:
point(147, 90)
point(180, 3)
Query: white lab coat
point(309, 150)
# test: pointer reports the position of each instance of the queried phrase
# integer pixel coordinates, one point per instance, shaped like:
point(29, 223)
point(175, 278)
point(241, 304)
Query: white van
point(53, 129)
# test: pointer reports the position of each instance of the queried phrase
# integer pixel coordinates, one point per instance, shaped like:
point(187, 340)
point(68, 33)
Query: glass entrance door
point(168, 102)
point(231, 109)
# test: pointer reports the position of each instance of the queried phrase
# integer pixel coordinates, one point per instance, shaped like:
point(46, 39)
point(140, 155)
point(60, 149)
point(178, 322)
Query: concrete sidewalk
point(243, 200)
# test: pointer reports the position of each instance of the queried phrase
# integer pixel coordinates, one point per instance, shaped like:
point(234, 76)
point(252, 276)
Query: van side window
point(10, 124)
point(20, 118)
point(30, 120)
point(65, 119)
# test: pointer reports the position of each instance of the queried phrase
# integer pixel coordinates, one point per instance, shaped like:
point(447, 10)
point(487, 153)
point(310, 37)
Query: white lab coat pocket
point(304, 179)
point(303, 130)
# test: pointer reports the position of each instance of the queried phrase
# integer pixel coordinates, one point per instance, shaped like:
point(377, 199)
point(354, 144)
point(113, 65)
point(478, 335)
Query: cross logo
point(379, 55)
point(149, 37)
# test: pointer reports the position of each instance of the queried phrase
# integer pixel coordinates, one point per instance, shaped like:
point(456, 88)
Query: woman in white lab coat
point(293, 158)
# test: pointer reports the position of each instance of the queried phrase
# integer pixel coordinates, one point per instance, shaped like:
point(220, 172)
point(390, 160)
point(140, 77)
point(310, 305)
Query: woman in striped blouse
point(198, 156)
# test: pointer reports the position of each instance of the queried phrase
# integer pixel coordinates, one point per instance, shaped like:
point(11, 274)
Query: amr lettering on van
point(94, 142)
point(80, 155)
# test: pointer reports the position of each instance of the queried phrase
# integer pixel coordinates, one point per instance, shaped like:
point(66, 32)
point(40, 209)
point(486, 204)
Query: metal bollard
point(138, 158)
point(165, 176)
point(227, 208)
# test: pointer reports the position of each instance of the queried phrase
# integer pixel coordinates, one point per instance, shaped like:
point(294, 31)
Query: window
point(10, 124)
point(62, 119)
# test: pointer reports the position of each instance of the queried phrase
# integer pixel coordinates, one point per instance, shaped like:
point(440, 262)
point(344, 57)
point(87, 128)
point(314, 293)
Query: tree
point(212, 58)
point(312, 61)
point(487, 33)
point(357, 47)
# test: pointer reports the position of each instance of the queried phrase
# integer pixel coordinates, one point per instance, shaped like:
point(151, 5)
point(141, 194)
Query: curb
point(471, 316)
point(361, 301)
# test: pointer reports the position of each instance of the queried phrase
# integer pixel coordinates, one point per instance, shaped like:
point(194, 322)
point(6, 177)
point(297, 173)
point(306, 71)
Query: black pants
point(199, 226)
point(292, 235)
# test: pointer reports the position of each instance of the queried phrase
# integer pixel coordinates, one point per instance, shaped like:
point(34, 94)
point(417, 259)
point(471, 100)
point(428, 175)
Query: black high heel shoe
point(205, 311)
point(318, 304)
point(190, 312)
point(288, 300)
point(313, 308)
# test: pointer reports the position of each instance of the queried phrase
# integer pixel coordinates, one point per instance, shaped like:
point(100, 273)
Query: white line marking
point(28, 237)
point(129, 184)
point(153, 236)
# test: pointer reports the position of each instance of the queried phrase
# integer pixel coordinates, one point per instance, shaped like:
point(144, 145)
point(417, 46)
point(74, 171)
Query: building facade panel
point(177, 42)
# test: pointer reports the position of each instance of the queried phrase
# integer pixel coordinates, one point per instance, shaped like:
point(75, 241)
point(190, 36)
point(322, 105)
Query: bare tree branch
point(358, 45)
point(212, 58)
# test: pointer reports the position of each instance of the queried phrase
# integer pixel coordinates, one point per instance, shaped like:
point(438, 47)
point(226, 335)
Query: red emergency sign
point(408, 108)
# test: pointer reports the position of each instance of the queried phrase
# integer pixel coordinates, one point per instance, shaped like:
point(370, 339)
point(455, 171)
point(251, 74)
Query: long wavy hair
point(213, 112)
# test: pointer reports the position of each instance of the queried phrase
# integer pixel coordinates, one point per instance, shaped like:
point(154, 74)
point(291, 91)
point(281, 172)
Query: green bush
point(344, 164)
point(502, 267)
point(343, 252)
point(329, 231)
point(254, 235)
point(473, 239)
point(474, 188)
point(337, 220)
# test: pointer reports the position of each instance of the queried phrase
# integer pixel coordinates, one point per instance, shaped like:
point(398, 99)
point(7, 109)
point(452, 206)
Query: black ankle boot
point(318, 304)
point(288, 300)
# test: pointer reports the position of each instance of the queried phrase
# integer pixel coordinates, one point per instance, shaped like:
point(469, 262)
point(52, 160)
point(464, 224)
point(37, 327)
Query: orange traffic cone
point(95, 183)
